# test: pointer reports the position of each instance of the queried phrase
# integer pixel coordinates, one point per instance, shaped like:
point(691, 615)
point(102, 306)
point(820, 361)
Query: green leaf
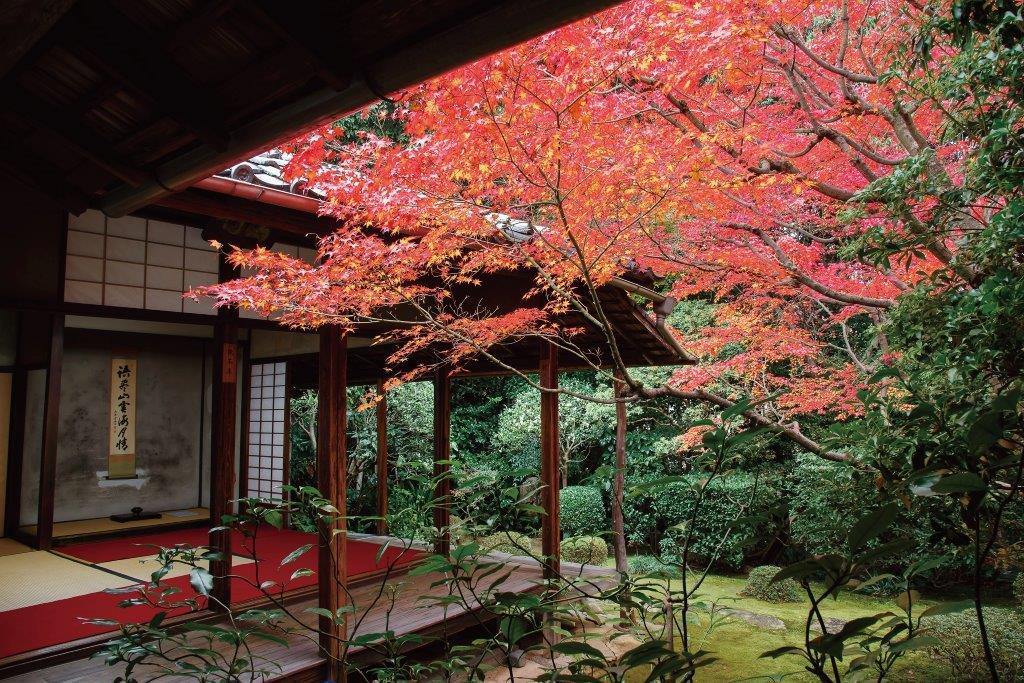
point(200, 580)
point(885, 550)
point(798, 570)
point(296, 554)
point(915, 643)
point(274, 519)
point(573, 647)
point(871, 526)
point(985, 431)
point(959, 482)
point(947, 608)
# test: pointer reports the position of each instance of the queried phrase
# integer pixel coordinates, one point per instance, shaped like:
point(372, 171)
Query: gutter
point(258, 193)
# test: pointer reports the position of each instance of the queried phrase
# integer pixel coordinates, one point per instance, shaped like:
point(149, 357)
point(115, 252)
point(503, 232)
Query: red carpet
point(52, 623)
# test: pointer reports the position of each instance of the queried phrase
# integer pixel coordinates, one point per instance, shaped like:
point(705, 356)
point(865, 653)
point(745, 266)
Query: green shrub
point(960, 643)
point(648, 565)
point(584, 550)
point(511, 542)
point(581, 509)
point(823, 490)
point(1018, 588)
point(676, 503)
point(760, 586)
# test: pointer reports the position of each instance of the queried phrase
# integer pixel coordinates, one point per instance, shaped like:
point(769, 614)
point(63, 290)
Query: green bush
point(822, 492)
point(1018, 588)
point(585, 550)
point(648, 565)
point(582, 512)
point(676, 504)
point(760, 586)
point(960, 643)
point(511, 542)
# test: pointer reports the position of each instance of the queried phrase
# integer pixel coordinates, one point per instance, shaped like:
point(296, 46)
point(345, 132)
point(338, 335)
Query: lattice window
point(267, 461)
point(132, 262)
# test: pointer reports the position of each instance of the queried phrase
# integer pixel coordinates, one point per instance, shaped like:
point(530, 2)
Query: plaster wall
point(172, 429)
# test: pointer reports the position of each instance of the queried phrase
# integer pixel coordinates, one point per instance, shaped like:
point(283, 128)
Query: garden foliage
point(760, 586)
point(585, 550)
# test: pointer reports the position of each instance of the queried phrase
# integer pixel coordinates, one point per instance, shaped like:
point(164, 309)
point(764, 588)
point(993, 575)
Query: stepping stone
point(832, 625)
point(767, 622)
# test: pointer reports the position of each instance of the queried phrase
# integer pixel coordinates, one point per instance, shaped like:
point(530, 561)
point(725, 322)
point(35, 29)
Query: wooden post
point(550, 469)
point(15, 454)
point(222, 447)
point(382, 459)
point(619, 482)
point(331, 469)
point(51, 424)
point(442, 455)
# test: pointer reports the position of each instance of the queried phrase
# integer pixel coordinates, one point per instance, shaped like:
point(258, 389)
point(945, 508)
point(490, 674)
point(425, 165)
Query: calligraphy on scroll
point(121, 459)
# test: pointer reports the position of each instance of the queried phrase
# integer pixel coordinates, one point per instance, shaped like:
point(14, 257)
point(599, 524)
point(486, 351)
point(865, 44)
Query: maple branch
point(789, 34)
point(791, 432)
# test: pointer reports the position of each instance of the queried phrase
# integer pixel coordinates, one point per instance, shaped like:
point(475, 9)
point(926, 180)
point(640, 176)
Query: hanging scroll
point(121, 460)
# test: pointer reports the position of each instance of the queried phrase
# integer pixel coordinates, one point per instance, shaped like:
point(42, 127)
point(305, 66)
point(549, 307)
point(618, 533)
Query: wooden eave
point(115, 104)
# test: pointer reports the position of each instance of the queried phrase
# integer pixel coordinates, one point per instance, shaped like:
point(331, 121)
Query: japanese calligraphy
point(121, 459)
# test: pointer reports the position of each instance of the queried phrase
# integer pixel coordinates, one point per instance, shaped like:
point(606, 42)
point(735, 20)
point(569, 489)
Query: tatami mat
point(105, 524)
point(142, 568)
point(8, 546)
point(37, 577)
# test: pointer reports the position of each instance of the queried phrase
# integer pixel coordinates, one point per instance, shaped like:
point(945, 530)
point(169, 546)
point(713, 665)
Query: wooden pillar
point(331, 469)
point(51, 424)
point(442, 456)
point(619, 482)
point(550, 470)
point(222, 447)
point(15, 454)
point(382, 459)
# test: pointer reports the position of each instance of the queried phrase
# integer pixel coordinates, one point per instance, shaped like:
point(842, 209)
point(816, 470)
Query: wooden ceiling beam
point(320, 39)
point(85, 142)
point(27, 28)
point(201, 21)
point(127, 52)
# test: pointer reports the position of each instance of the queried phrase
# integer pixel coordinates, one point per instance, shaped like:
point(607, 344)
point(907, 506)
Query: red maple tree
point(721, 146)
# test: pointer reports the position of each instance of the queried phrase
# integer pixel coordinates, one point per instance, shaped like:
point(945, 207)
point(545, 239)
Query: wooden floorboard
point(409, 614)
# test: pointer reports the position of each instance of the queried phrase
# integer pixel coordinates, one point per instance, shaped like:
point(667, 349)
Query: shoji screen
point(132, 262)
point(267, 455)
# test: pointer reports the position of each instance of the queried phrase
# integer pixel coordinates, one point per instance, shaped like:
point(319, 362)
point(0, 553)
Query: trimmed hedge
point(581, 509)
point(960, 643)
point(675, 505)
point(584, 550)
point(760, 586)
point(511, 542)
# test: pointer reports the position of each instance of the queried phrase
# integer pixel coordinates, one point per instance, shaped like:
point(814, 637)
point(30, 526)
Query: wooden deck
point(300, 661)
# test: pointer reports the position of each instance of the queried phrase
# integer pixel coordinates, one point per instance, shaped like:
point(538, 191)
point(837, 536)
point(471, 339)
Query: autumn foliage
point(731, 148)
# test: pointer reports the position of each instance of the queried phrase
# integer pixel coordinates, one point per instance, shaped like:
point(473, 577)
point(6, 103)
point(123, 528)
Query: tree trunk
point(619, 484)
